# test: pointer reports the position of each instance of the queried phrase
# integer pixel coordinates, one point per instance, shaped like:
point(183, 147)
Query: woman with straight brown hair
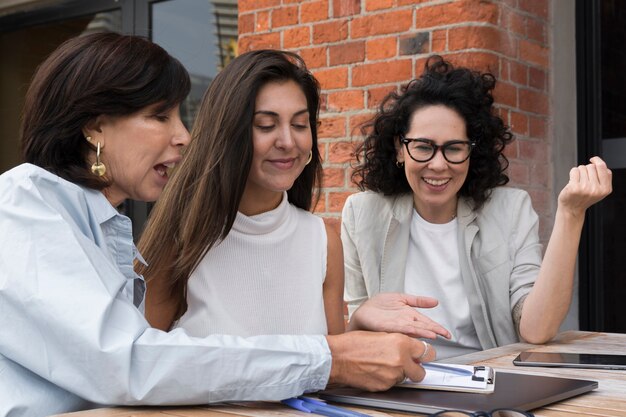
point(232, 245)
point(235, 228)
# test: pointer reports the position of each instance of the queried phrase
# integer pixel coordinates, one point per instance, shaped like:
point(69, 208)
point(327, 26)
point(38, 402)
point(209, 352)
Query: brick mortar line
point(469, 23)
point(364, 39)
point(498, 54)
point(525, 13)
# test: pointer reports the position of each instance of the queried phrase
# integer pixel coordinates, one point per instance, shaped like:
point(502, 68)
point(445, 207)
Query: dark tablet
point(512, 390)
point(571, 360)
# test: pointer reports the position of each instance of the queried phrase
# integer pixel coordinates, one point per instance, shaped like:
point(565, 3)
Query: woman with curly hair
point(435, 220)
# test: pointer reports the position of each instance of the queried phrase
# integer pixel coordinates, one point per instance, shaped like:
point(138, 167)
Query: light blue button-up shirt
point(72, 333)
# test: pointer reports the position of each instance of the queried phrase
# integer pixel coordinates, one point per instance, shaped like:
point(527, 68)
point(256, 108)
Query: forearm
point(115, 364)
point(162, 304)
point(78, 331)
point(229, 368)
point(334, 283)
point(166, 369)
point(549, 300)
point(548, 303)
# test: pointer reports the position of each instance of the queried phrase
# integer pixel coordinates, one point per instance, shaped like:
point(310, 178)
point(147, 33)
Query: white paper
point(445, 380)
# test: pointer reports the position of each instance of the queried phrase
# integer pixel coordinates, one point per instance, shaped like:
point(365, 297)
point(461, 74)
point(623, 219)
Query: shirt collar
point(403, 209)
point(101, 209)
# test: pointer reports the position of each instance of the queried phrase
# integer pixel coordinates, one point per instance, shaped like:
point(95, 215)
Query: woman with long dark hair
point(232, 246)
point(232, 242)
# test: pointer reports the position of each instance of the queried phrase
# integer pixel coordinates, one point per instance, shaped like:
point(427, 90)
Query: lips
point(162, 169)
point(283, 163)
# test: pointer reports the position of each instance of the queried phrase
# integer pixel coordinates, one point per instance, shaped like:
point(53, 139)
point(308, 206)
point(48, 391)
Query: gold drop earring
point(308, 161)
point(98, 168)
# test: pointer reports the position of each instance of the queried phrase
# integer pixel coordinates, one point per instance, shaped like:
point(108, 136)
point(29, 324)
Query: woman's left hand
point(397, 313)
point(549, 300)
point(587, 185)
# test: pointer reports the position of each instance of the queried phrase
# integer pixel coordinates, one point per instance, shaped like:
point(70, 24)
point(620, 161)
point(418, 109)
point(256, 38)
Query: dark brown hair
point(465, 91)
point(198, 206)
point(87, 76)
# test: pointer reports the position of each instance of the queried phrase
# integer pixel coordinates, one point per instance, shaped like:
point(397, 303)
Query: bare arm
point(161, 306)
point(333, 283)
point(547, 304)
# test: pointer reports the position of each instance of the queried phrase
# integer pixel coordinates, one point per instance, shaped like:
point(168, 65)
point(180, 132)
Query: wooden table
point(608, 400)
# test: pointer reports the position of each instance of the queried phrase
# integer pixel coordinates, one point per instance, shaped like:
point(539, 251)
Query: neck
point(113, 198)
point(437, 214)
point(253, 204)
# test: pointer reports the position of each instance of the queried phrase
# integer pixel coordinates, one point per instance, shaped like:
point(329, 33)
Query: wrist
point(571, 216)
point(336, 347)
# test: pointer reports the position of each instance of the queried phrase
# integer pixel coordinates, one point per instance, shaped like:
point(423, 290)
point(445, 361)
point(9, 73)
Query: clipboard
point(476, 379)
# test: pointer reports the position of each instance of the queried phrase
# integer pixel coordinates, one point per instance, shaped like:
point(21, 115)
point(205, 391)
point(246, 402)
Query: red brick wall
point(362, 49)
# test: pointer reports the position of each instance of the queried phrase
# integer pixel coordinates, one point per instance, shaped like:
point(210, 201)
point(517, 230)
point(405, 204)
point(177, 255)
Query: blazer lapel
point(395, 247)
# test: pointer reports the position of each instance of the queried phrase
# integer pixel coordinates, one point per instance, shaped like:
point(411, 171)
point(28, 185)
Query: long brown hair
point(86, 76)
point(198, 206)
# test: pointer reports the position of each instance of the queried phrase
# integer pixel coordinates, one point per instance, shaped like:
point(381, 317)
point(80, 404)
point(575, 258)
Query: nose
point(438, 162)
point(284, 138)
point(181, 134)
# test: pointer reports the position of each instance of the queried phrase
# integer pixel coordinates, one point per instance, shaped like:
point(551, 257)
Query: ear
point(399, 150)
point(92, 131)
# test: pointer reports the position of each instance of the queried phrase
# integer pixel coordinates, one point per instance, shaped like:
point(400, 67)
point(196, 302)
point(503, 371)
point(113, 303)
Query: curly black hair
point(467, 92)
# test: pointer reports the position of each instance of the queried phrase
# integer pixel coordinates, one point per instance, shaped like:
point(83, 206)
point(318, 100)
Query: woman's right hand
point(376, 361)
point(396, 313)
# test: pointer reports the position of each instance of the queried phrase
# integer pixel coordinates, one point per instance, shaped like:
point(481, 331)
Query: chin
point(279, 188)
point(149, 197)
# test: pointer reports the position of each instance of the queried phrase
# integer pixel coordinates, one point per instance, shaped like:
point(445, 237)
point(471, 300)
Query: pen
point(309, 405)
point(447, 369)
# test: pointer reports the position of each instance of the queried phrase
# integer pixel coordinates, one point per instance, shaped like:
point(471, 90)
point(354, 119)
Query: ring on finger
point(402, 378)
point(426, 350)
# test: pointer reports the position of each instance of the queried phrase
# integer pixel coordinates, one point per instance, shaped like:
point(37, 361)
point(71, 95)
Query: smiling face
point(137, 150)
point(435, 183)
point(282, 141)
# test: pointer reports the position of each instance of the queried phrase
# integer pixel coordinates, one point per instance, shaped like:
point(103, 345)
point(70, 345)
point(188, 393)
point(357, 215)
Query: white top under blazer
point(266, 277)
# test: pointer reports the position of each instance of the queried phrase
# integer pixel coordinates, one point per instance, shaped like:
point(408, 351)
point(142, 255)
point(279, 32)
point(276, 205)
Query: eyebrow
point(435, 142)
point(272, 113)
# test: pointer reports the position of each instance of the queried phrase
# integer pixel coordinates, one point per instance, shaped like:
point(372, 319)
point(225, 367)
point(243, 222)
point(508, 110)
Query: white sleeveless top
point(266, 277)
point(433, 269)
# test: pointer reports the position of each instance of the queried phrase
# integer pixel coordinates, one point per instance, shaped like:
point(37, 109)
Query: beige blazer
point(499, 254)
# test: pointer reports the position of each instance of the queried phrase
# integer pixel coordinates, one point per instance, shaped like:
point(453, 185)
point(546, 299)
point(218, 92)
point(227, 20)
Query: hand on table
point(396, 313)
point(377, 361)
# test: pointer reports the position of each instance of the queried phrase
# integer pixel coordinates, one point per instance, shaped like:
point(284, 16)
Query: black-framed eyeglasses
point(500, 412)
point(423, 150)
